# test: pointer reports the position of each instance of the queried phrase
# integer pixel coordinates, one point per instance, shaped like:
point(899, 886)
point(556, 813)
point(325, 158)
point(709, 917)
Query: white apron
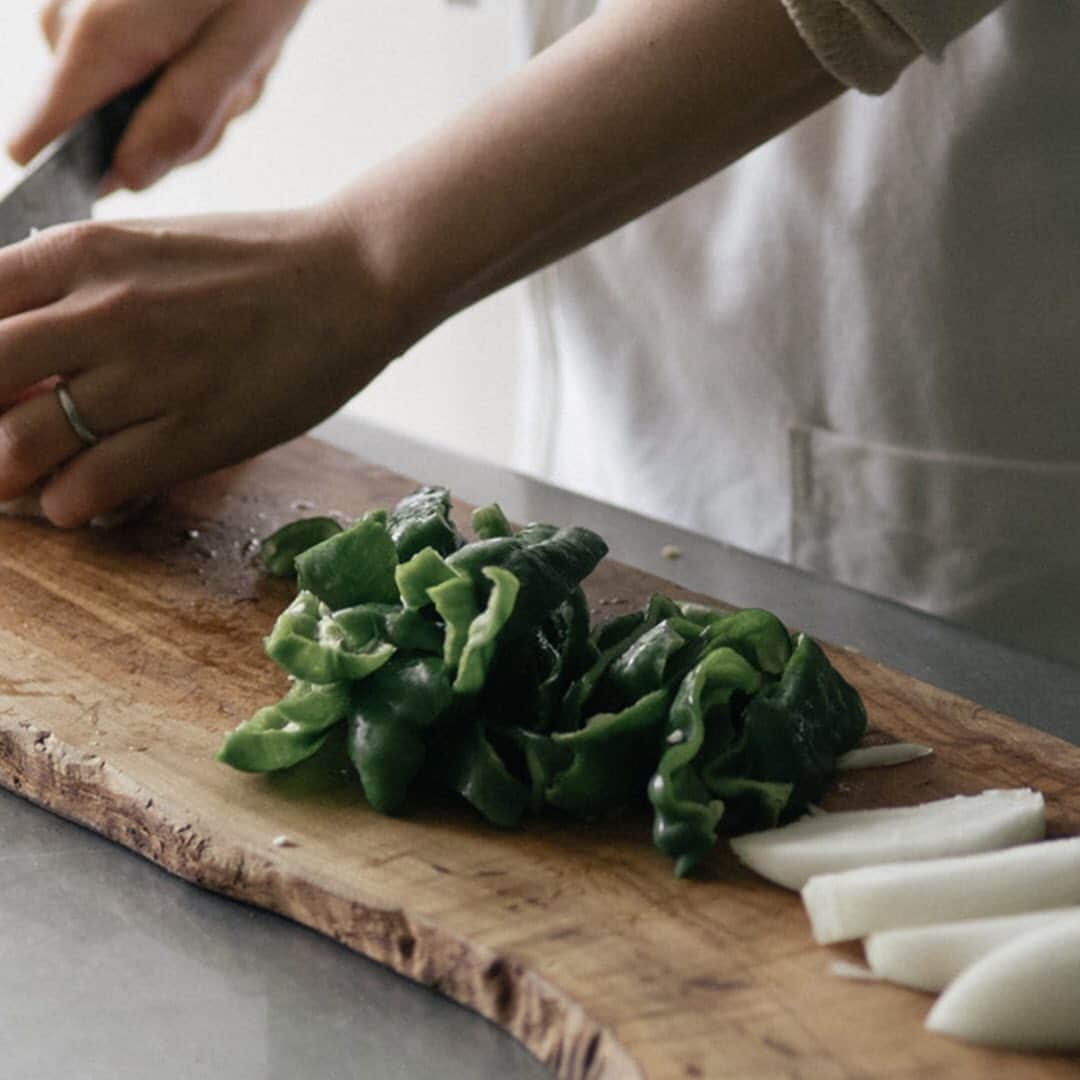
point(858, 349)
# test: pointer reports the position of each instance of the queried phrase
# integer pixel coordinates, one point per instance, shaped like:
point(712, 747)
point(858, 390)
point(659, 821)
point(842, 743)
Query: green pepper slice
point(308, 642)
point(404, 628)
point(611, 758)
point(267, 741)
point(315, 706)
point(686, 814)
point(422, 519)
point(354, 567)
point(279, 550)
point(526, 685)
point(547, 570)
point(647, 663)
point(489, 522)
point(393, 714)
point(422, 572)
point(484, 630)
point(758, 635)
point(455, 601)
point(469, 765)
point(793, 731)
point(281, 735)
point(609, 641)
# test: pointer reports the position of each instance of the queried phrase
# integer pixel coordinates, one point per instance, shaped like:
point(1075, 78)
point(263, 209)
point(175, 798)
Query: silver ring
point(78, 424)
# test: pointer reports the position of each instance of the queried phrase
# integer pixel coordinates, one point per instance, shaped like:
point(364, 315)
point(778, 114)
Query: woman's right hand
point(215, 56)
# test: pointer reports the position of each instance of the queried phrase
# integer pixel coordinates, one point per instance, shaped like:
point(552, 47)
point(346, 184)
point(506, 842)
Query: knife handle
point(111, 120)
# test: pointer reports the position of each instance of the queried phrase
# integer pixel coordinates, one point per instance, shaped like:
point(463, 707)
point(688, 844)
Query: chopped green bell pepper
point(455, 601)
point(308, 642)
point(422, 572)
point(532, 674)
point(428, 660)
point(611, 758)
point(404, 628)
point(686, 815)
point(484, 630)
point(609, 641)
point(393, 714)
point(547, 570)
point(489, 522)
point(282, 735)
point(647, 662)
point(267, 741)
point(793, 731)
point(354, 567)
point(468, 764)
point(422, 520)
point(757, 635)
point(279, 550)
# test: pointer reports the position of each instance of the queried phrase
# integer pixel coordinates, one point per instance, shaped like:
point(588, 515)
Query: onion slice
point(1032, 877)
point(873, 757)
point(930, 957)
point(1024, 995)
point(828, 843)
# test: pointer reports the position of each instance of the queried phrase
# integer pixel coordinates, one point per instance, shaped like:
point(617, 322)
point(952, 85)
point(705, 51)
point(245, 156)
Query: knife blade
point(65, 186)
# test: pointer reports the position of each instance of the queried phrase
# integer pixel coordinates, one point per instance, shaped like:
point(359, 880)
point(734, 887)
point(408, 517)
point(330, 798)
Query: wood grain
point(124, 657)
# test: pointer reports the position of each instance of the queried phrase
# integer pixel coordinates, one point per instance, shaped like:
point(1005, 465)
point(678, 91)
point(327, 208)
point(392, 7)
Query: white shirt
point(858, 349)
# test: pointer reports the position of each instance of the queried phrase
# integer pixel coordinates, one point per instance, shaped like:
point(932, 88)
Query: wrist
point(363, 296)
point(391, 266)
point(442, 224)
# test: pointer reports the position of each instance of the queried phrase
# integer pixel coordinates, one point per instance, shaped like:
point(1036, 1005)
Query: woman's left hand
point(185, 346)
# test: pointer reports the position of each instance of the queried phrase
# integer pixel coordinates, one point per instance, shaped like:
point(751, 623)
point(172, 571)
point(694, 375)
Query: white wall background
point(358, 79)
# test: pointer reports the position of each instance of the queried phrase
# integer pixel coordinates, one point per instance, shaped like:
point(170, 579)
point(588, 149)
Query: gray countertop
point(110, 969)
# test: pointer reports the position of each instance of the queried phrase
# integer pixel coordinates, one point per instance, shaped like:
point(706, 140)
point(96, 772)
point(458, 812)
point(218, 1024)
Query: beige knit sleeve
point(867, 43)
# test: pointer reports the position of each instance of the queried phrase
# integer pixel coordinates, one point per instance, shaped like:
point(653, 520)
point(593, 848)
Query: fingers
point(30, 392)
point(245, 99)
point(36, 436)
point(32, 274)
point(102, 47)
point(92, 64)
point(29, 352)
point(52, 19)
point(102, 478)
point(129, 466)
point(195, 98)
point(215, 57)
point(52, 288)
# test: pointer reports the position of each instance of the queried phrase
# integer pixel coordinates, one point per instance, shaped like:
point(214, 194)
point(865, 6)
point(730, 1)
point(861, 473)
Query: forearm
point(639, 103)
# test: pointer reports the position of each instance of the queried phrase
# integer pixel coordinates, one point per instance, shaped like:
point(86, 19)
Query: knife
point(65, 186)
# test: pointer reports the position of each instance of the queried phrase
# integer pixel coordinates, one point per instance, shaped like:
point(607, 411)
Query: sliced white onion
point(1024, 995)
point(930, 957)
point(1032, 877)
point(872, 757)
point(828, 843)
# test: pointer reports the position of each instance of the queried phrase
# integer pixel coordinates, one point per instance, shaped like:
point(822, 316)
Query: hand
point(216, 56)
point(186, 346)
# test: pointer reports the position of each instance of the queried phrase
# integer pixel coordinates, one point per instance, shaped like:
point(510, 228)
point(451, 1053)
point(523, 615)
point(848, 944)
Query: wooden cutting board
point(124, 656)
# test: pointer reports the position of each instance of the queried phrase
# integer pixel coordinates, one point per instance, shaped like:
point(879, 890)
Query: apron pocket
point(988, 542)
